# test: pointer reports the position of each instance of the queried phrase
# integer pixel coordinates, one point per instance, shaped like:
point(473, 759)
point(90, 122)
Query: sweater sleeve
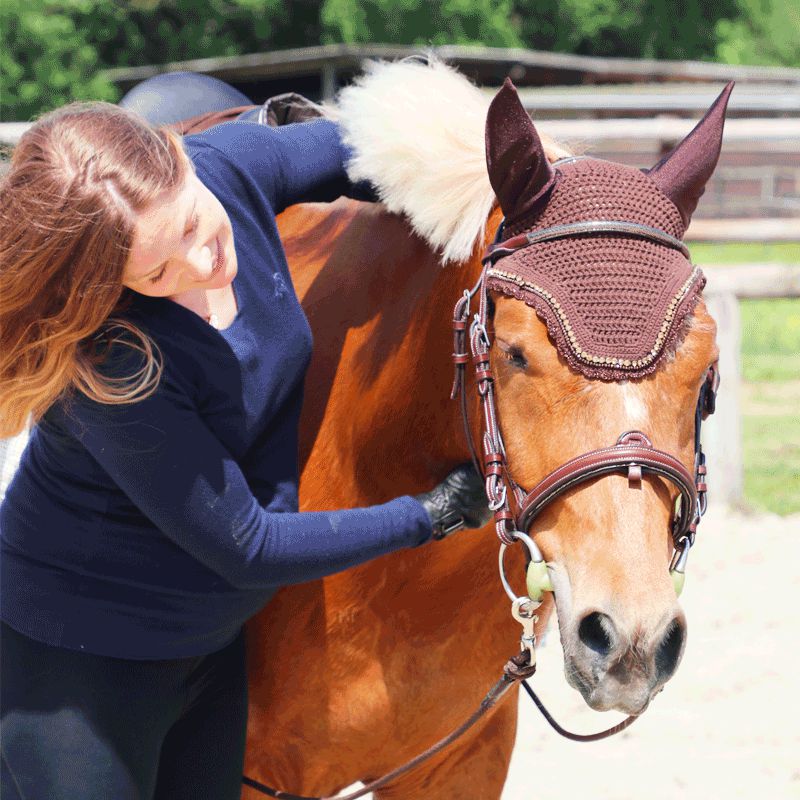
point(171, 466)
point(299, 163)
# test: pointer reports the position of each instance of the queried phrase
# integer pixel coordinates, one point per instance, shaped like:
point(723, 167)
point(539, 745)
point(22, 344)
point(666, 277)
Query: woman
point(150, 330)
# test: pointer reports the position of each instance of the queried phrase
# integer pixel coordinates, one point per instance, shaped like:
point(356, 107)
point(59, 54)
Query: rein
point(516, 670)
point(633, 454)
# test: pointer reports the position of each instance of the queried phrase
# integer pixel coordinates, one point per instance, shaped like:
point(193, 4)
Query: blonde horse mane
point(416, 129)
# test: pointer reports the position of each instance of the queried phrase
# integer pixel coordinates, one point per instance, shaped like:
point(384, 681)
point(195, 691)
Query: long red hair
point(68, 208)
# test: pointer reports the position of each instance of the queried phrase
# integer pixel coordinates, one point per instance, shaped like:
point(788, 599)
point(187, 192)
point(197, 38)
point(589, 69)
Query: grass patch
point(771, 403)
point(745, 252)
point(770, 339)
point(772, 462)
point(769, 367)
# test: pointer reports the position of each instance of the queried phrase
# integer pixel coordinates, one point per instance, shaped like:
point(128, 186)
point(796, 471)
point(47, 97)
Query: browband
point(521, 240)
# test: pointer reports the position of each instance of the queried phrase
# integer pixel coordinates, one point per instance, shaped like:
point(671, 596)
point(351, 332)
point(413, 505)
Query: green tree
point(159, 31)
point(633, 28)
point(46, 59)
point(764, 32)
point(53, 51)
point(684, 29)
point(422, 22)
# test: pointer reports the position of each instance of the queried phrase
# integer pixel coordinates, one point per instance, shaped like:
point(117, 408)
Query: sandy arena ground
point(728, 724)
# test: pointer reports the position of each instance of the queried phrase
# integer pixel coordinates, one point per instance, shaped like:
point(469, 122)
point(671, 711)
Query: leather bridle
point(632, 454)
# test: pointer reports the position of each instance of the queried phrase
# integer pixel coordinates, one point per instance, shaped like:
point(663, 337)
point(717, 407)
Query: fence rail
point(754, 281)
point(623, 100)
point(765, 132)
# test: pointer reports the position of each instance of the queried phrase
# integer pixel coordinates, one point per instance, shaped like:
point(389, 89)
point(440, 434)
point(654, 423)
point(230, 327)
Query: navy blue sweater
point(155, 529)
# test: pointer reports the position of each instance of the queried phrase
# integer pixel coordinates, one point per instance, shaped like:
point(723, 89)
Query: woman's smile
point(180, 244)
point(219, 261)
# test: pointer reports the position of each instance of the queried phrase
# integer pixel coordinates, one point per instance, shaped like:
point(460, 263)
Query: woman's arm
point(172, 467)
point(299, 163)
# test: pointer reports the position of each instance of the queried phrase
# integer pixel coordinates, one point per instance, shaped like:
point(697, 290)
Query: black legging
point(76, 725)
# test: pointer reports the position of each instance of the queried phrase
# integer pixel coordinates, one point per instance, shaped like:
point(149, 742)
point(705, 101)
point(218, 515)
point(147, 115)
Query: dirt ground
point(728, 724)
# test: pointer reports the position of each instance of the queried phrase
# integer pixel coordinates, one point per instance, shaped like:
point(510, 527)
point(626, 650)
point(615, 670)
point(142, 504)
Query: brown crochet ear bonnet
point(594, 246)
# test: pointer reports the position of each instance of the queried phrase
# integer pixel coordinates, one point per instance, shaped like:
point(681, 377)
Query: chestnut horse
point(365, 669)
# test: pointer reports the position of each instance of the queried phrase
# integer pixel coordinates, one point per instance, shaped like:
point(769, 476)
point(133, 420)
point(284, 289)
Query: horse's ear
point(683, 173)
point(519, 171)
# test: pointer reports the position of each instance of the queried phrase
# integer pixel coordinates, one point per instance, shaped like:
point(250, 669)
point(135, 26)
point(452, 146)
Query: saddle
point(282, 109)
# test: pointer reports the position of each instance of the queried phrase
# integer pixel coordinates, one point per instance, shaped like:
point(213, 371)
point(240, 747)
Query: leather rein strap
point(516, 670)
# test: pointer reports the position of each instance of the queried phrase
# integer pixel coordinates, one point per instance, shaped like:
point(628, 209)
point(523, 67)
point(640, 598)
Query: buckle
point(451, 523)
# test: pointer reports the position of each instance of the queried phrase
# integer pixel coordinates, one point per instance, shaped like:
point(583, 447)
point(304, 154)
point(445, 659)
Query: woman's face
point(182, 241)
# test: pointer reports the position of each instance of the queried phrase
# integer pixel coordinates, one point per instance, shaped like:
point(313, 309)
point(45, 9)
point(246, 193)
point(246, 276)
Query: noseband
point(632, 454)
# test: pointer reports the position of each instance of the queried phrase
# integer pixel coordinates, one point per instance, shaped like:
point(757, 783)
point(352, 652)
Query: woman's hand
point(458, 502)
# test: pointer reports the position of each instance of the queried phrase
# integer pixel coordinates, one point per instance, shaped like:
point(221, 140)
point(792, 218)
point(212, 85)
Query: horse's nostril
point(596, 631)
point(669, 651)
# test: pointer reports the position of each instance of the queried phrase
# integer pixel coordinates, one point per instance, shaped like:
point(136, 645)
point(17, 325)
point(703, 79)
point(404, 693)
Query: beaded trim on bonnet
point(616, 294)
point(614, 304)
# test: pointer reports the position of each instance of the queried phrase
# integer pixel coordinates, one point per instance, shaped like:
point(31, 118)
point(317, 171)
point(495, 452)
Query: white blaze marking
point(635, 408)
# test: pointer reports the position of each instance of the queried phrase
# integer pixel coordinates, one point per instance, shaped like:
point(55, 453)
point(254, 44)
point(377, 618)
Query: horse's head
point(611, 336)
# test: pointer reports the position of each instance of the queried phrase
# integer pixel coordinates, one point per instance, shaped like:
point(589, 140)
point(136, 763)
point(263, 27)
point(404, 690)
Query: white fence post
point(722, 432)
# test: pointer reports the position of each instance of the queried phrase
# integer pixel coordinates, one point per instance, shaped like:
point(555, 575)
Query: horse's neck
point(377, 394)
point(378, 421)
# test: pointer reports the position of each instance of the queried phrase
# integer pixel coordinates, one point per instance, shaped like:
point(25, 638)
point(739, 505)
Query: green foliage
point(624, 28)
point(159, 31)
point(52, 51)
point(634, 28)
point(46, 58)
point(763, 32)
point(420, 22)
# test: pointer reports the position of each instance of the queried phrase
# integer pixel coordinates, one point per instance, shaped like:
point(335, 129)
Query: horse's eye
point(516, 357)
